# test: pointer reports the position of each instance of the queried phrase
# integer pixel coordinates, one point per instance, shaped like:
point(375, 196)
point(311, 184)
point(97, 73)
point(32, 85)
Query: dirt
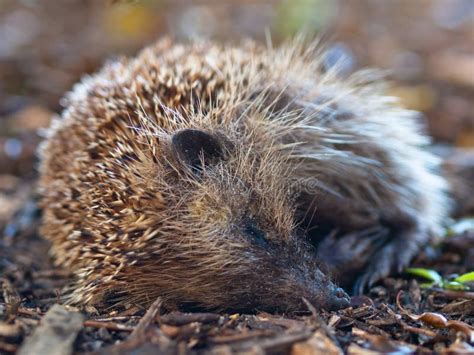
point(386, 319)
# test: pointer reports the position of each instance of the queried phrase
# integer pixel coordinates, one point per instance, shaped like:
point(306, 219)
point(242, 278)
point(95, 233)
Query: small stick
point(147, 319)
point(108, 325)
point(179, 319)
point(223, 339)
point(455, 294)
point(9, 348)
point(282, 343)
point(415, 330)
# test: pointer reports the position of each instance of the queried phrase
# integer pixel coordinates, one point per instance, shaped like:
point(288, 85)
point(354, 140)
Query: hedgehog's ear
point(194, 147)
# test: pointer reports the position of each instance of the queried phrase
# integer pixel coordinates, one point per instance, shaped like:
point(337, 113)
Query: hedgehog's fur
point(192, 171)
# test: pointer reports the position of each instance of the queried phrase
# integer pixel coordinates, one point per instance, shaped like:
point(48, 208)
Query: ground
point(396, 315)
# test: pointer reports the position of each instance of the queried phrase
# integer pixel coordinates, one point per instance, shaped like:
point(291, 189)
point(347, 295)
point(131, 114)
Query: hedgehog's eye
point(252, 231)
point(193, 147)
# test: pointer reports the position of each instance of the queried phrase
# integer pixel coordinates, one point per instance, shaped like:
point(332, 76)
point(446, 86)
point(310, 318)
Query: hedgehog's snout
point(339, 299)
point(326, 294)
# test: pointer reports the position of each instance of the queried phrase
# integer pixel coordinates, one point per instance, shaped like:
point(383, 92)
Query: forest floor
point(395, 316)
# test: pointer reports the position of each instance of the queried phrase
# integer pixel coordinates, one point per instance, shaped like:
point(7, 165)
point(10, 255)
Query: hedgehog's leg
point(407, 237)
point(365, 252)
point(346, 256)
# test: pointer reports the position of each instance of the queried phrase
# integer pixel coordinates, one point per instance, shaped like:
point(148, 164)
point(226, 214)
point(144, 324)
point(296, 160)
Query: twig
point(283, 342)
point(116, 318)
point(11, 297)
point(311, 308)
point(147, 320)
point(29, 312)
point(415, 330)
point(108, 325)
point(223, 339)
point(9, 348)
point(455, 294)
point(179, 319)
point(320, 323)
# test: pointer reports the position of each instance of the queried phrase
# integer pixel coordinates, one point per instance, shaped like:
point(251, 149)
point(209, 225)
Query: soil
point(396, 315)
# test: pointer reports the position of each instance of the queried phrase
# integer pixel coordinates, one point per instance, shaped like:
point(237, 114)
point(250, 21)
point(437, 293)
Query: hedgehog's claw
point(360, 285)
point(381, 266)
point(393, 257)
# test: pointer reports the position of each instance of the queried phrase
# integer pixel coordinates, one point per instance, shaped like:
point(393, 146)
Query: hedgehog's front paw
point(346, 257)
point(391, 258)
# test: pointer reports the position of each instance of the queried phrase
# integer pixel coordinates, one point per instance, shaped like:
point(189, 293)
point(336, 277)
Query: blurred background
point(47, 45)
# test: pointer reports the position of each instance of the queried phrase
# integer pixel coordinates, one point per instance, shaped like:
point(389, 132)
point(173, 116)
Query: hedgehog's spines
point(303, 146)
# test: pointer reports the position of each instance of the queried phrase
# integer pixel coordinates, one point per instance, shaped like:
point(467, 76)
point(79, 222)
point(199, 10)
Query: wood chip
point(56, 333)
point(319, 343)
point(9, 330)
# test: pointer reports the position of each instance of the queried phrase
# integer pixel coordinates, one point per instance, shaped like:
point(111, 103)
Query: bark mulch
point(395, 316)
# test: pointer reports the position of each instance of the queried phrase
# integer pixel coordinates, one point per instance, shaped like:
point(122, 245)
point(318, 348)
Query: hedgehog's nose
point(341, 299)
point(340, 293)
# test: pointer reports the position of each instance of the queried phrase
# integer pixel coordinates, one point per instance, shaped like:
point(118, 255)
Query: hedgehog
point(234, 177)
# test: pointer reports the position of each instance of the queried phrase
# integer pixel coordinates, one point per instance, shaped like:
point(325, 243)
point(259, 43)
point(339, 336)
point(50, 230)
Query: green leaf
point(469, 277)
point(426, 274)
point(456, 286)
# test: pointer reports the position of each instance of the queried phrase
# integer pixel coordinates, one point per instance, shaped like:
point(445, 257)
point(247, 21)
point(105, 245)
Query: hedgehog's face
point(240, 251)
